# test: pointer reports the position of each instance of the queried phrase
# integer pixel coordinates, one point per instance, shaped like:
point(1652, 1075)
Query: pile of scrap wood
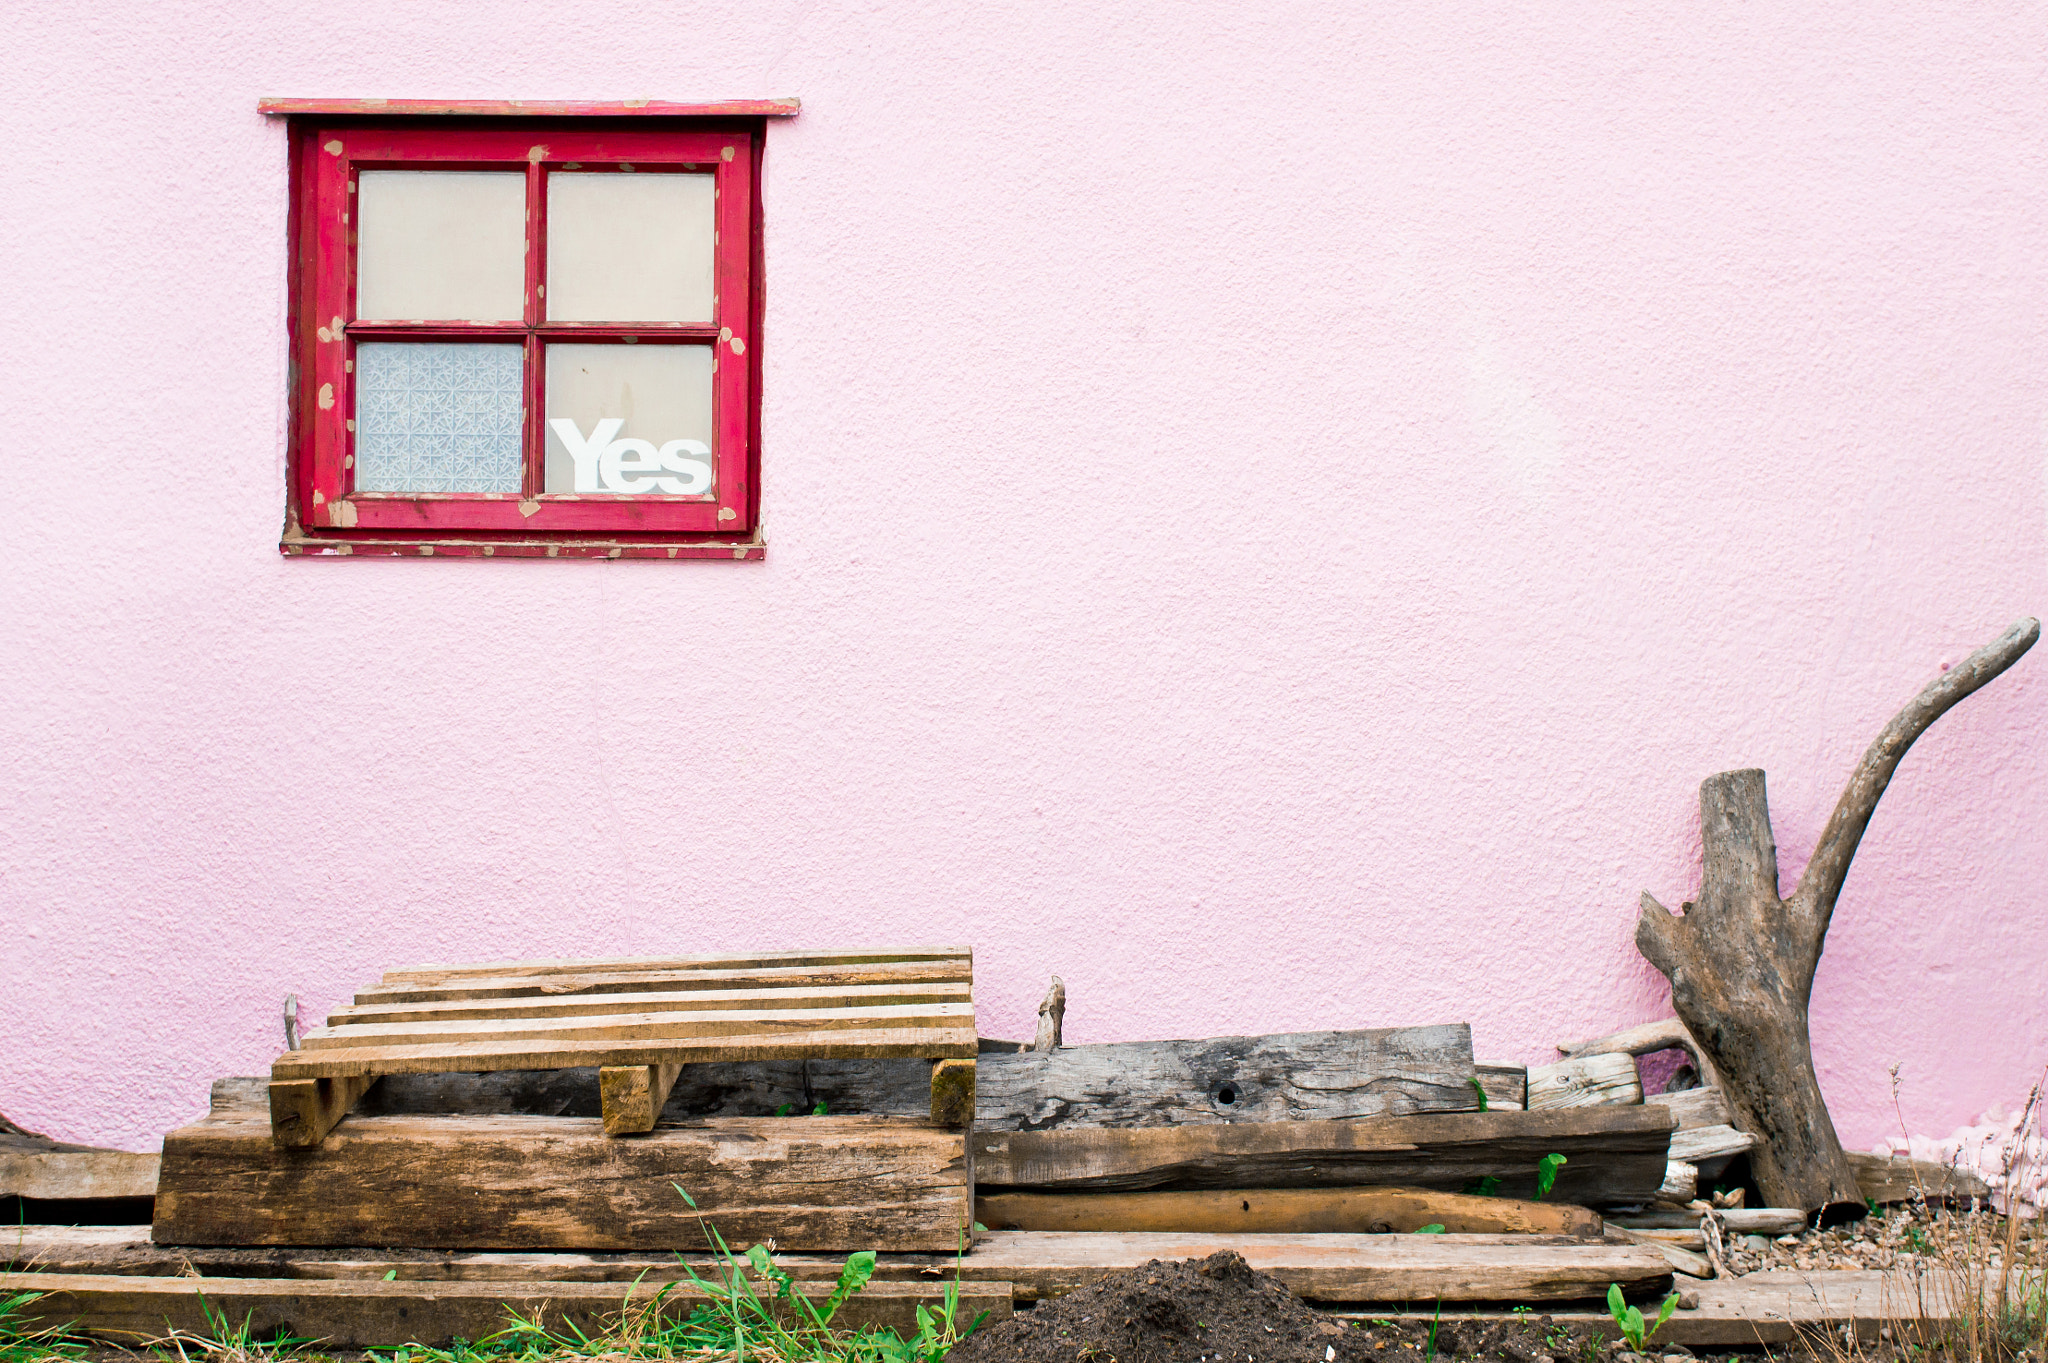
point(1356, 1166)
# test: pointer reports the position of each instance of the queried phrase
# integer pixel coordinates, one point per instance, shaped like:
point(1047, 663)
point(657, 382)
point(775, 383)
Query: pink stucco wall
point(1272, 510)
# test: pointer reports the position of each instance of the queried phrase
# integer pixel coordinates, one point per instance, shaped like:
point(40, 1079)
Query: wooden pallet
point(638, 1021)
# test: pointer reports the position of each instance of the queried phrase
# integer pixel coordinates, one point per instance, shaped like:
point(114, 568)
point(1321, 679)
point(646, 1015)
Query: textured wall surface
point(1272, 511)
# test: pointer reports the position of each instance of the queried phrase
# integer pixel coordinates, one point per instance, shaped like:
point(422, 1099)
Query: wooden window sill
point(297, 544)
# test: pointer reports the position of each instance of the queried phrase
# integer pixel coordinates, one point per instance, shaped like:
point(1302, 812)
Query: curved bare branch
point(1821, 884)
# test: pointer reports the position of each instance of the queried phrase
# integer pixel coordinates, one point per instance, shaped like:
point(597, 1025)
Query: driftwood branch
point(1741, 960)
point(1052, 1014)
point(1814, 900)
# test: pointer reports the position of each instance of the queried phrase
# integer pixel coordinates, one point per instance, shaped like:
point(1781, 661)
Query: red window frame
point(328, 516)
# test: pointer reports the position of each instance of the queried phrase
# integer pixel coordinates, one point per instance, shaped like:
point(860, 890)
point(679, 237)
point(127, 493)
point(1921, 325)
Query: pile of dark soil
point(1217, 1310)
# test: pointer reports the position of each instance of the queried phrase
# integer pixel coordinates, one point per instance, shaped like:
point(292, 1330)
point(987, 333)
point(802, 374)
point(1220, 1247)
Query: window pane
point(436, 416)
point(441, 245)
point(629, 247)
point(630, 418)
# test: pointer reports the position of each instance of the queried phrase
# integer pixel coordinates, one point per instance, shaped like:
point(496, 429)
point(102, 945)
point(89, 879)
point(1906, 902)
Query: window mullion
point(535, 433)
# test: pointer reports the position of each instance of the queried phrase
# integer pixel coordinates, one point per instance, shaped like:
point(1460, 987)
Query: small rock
point(1688, 1301)
point(1788, 1239)
point(1757, 1244)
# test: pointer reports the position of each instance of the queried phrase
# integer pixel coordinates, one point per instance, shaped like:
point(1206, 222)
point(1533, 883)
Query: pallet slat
point(930, 1043)
point(682, 1025)
point(705, 1000)
point(946, 971)
point(639, 964)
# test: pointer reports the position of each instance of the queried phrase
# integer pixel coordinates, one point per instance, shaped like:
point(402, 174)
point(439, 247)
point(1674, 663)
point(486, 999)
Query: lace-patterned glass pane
point(436, 416)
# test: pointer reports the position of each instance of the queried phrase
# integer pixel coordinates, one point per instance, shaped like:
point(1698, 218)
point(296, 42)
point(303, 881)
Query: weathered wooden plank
point(631, 1096)
point(590, 1005)
point(1507, 1086)
point(1681, 1183)
point(950, 970)
point(303, 1111)
point(641, 1026)
point(1530, 1268)
point(1615, 1155)
point(1322, 1075)
point(1704, 1144)
point(1289, 1211)
point(1758, 1310)
point(931, 1043)
point(1682, 1260)
point(635, 965)
point(71, 1175)
point(1740, 1220)
point(1585, 1081)
point(525, 1182)
point(1336, 1268)
point(356, 1314)
point(1695, 1108)
point(1896, 1178)
point(1661, 1235)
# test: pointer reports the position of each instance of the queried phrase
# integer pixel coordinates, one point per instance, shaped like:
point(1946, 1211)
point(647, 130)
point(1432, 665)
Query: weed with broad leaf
point(1629, 1320)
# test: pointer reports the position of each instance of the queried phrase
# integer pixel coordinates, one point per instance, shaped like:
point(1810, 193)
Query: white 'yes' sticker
point(606, 463)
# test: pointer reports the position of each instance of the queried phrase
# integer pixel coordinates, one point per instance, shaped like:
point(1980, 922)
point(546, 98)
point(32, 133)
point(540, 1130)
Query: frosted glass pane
point(629, 247)
point(441, 245)
point(630, 418)
point(438, 417)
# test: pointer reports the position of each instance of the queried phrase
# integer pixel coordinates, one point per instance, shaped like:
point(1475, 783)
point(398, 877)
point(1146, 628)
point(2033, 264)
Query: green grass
point(224, 1340)
point(20, 1342)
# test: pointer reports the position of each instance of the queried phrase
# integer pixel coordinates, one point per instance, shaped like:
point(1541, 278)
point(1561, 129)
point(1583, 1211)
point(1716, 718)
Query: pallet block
point(533, 1182)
